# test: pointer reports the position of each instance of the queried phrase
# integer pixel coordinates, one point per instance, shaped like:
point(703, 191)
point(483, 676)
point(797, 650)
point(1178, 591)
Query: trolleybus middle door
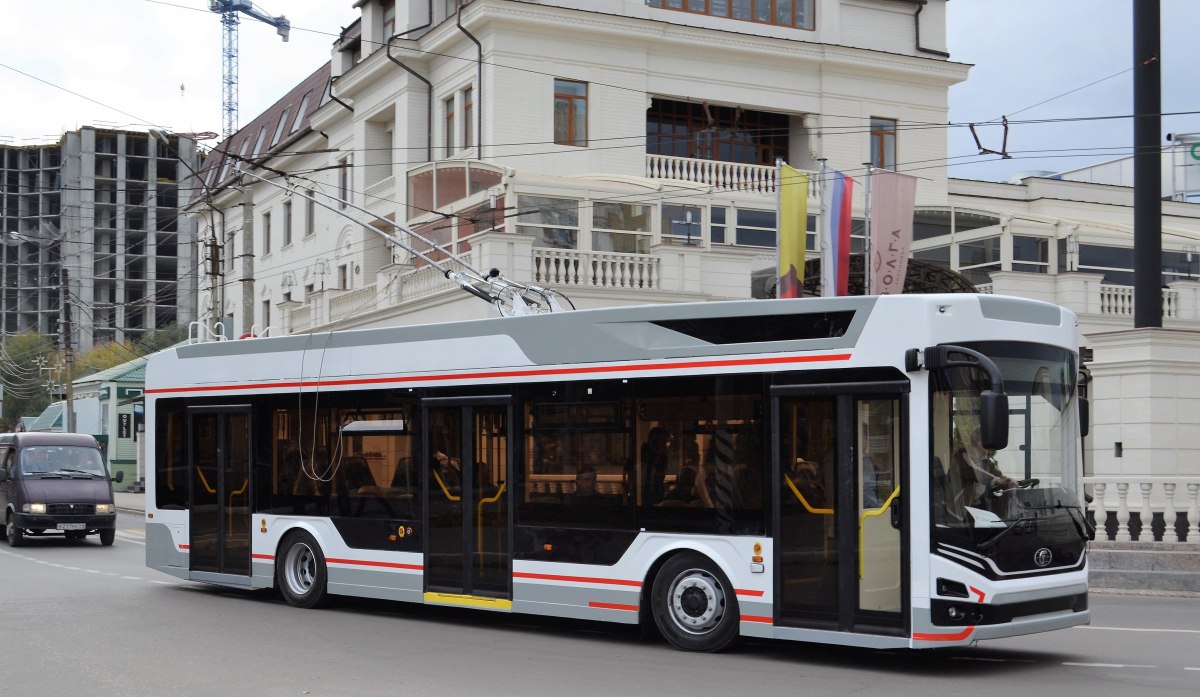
point(839, 530)
point(467, 450)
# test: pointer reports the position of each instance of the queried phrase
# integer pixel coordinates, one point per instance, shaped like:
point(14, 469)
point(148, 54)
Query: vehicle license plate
point(71, 526)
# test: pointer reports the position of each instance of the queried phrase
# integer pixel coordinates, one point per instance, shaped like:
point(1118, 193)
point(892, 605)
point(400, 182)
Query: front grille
point(71, 508)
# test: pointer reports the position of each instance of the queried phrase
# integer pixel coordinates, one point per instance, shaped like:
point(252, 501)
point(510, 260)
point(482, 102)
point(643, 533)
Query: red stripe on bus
point(578, 579)
point(614, 606)
point(978, 592)
point(384, 564)
point(532, 372)
point(268, 557)
point(185, 546)
point(758, 618)
point(922, 636)
point(751, 593)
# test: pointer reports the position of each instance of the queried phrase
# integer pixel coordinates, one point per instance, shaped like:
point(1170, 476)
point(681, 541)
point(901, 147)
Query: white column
point(1098, 491)
point(1123, 512)
point(1146, 514)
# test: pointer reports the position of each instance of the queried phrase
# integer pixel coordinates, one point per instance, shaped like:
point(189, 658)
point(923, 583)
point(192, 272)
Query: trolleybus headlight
point(955, 612)
point(105, 508)
point(33, 508)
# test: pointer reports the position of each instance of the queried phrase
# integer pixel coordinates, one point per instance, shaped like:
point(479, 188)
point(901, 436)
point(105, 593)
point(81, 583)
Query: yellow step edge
point(469, 601)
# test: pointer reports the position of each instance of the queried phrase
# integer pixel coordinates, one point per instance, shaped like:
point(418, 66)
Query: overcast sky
point(158, 63)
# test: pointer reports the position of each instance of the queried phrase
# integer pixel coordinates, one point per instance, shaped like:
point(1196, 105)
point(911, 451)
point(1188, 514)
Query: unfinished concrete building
point(104, 205)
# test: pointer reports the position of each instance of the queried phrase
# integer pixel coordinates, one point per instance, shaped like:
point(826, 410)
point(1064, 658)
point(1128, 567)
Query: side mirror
point(1085, 417)
point(994, 420)
point(120, 476)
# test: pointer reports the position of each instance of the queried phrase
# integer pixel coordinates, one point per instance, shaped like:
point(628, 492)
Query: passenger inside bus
point(655, 458)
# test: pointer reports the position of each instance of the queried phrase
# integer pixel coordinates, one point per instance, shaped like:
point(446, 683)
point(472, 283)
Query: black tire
point(16, 536)
point(694, 604)
point(108, 536)
point(300, 571)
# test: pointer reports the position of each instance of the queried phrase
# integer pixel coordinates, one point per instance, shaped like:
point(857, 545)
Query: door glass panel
point(491, 501)
point(236, 494)
point(205, 514)
point(808, 548)
point(877, 453)
point(444, 567)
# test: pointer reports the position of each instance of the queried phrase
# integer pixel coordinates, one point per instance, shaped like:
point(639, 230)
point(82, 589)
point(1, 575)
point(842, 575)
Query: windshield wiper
point(83, 472)
point(987, 545)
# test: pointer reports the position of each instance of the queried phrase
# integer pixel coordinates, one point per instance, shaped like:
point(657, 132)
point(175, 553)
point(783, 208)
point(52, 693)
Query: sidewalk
point(130, 503)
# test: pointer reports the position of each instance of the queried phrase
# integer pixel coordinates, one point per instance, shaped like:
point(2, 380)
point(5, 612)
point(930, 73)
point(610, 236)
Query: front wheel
point(108, 536)
point(16, 536)
point(301, 575)
point(694, 604)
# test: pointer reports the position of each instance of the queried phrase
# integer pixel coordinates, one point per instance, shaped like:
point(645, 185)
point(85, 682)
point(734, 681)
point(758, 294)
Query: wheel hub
point(697, 601)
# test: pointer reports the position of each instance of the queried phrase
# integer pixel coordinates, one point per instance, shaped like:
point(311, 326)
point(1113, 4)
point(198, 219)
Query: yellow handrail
point(446, 491)
point(871, 513)
point(204, 480)
point(804, 502)
point(479, 520)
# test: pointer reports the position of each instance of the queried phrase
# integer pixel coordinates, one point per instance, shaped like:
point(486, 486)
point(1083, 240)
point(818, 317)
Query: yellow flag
point(793, 231)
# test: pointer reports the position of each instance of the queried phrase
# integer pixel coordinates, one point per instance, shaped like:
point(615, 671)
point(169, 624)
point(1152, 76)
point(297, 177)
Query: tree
point(22, 359)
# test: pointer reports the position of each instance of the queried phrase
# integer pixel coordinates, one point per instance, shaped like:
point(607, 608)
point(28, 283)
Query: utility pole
point(1147, 166)
point(68, 355)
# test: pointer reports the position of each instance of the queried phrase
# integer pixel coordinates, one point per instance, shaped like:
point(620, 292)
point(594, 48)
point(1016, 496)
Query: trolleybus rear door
point(219, 455)
point(467, 451)
point(838, 507)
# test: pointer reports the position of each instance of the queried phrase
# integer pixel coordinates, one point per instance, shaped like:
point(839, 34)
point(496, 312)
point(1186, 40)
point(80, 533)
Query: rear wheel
point(301, 573)
point(108, 536)
point(694, 604)
point(16, 536)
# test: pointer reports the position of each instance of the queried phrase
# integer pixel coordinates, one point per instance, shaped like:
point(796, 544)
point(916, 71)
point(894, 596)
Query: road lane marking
point(1142, 629)
point(1191, 668)
point(1106, 665)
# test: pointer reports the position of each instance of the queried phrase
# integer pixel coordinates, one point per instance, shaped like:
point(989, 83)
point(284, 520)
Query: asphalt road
point(79, 618)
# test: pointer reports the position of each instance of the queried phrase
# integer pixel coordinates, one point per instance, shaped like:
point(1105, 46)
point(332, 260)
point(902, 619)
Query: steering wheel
point(1028, 483)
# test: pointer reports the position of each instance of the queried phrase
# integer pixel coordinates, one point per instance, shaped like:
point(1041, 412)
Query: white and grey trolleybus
point(895, 471)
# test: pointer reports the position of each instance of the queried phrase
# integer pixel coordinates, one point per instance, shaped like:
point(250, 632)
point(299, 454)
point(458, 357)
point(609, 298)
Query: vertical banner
point(893, 197)
point(835, 234)
point(793, 230)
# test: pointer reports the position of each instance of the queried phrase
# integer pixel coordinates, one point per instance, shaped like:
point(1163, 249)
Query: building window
point(287, 223)
point(448, 106)
point(707, 132)
point(343, 181)
point(266, 316)
point(570, 112)
point(621, 227)
point(1031, 254)
point(468, 97)
point(310, 213)
point(682, 225)
point(554, 222)
point(344, 276)
point(786, 13)
point(977, 257)
point(883, 143)
point(266, 234)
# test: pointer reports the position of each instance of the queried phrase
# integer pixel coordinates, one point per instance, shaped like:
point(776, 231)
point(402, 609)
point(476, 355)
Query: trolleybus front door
point(219, 454)
point(467, 451)
point(839, 516)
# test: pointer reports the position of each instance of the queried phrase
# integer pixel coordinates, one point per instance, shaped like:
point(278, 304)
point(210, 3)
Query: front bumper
point(40, 521)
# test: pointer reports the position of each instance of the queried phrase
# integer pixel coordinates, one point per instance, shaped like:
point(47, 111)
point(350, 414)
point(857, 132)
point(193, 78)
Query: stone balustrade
point(1145, 509)
point(725, 176)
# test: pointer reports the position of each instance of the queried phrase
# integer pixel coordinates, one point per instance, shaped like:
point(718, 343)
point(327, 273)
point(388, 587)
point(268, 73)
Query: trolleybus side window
point(170, 461)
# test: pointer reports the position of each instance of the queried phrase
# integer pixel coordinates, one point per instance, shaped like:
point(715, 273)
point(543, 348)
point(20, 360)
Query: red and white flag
point(893, 197)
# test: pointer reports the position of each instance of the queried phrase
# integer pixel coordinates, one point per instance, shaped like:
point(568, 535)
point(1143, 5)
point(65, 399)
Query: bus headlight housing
point(33, 508)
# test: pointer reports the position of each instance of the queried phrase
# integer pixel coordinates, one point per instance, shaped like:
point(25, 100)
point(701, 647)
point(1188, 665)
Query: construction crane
point(229, 10)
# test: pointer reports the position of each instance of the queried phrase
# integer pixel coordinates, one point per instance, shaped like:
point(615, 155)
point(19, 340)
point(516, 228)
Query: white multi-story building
point(623, 152)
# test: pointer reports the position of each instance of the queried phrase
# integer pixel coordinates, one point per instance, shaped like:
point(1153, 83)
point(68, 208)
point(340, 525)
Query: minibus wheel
point(16, 536)
point(108, 536)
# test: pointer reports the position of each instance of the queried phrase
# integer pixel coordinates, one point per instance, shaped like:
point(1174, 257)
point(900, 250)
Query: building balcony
point(722, 176)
